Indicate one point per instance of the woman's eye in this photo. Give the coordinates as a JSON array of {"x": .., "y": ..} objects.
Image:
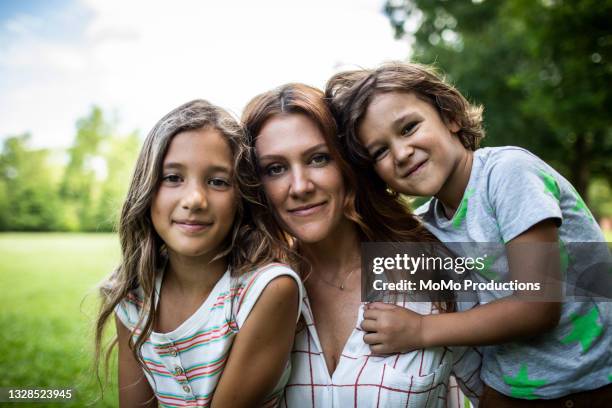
[
  {"x": 274, "y": 170},
  {"x": 320, "y": 159},
  {"x": 380, "y": 153},
  {"x": 172, "y": 178},
  {"x": 219, "y": 182},
  {"x": 409, "y": 128}
]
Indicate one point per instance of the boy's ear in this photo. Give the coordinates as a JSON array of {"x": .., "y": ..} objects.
[{"x": 453, "y": 127}]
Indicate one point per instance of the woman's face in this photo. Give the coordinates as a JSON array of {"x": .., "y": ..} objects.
[{"x": 302, "y": 182}]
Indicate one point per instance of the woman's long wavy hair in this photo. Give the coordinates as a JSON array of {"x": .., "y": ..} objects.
[
  {"x": 379, "y": 214},
  {"x": 143, "y": 253}
]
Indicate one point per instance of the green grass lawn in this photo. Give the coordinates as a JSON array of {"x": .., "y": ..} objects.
[{"x": 47, "y": 287}]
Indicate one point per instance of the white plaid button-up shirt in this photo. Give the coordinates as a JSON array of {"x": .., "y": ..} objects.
[{"x": 417, "y": 379}]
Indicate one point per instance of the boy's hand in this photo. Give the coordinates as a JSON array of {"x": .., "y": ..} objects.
[{"x": 391, "y": 328}]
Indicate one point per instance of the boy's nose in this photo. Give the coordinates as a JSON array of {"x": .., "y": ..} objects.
[{"x": 401, "y": 151}]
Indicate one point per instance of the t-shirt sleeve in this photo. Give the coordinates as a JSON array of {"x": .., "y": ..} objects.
[
  {"x": 255, "y": 283},
  {"x": 522, "y": 192},
  {"x": 127, "y": 311}
]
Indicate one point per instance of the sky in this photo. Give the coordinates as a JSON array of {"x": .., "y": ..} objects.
[{"x": 140, "y": 59}]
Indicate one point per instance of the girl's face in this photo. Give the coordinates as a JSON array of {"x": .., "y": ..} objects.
[
  {"x": 195, "y": 204},
  {"x": 413, "y": 150},
  {"x": 302, "y": 182}
]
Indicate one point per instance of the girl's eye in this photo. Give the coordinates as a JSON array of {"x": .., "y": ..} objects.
[
  {"x": 219, "y": 182},
  {"x": 172, "y": 179},
  {"x": 409, "y": 128},
  {"x": 380, "y": 153},
  {"x": 274, "y": 170},
  {"x": 320, "y": 159}
]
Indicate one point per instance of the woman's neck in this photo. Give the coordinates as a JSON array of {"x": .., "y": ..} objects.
[
  {"x": 194, "y": 275},
  {"x": 337, "y": 254}
]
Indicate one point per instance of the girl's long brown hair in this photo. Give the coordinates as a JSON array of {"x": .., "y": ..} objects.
[{"x": 143, "y": 253}]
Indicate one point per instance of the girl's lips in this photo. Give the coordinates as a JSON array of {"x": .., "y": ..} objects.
[
  {"x": 191, "y": 227},
  {"x": 307, "y": 210}
]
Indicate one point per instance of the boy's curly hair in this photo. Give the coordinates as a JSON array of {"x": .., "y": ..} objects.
[{"x": 349, "y": 94}]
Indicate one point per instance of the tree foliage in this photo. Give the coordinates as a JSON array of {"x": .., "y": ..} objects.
[
  {"x": 541, "y": 68},
  {"x": 28, "y": 201},
  {"x": 40, "y": 193}
]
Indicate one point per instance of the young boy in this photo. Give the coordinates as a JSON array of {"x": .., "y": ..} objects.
[{"x": 420, "y": 137}]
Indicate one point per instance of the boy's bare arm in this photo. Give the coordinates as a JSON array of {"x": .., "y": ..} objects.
[{"x": 393, "y": 329}]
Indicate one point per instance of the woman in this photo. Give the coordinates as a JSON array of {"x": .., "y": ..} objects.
[{"x": 310, "y": 195}]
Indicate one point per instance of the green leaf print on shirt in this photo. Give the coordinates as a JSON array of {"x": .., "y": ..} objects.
[
  {"x": 585, "y": 329},
  {"x": 486, "y": 271},
  {"x": 521, "y": 386},
  {"x": 582, "y": 207},
  {"x": 463, "y": 208},
  {"x": 550, "y": 185}
]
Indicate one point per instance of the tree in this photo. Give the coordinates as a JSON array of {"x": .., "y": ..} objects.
[
  {"x": 79, "y": 188},
  {"x": 542, "y": 69},
  {"x": 28, "y": 195},
  {"x": 120, "y": 158}
]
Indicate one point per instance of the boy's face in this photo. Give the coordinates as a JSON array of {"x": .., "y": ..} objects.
[{"x": 413, "y": 150}]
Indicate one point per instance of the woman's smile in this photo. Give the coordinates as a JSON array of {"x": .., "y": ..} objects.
[{"x": 308, "y": 209}]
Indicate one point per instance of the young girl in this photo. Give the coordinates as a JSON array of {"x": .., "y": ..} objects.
[
  {"x": 420, "y": 136},
  {"x": 202, "y": 311},
  {"x": 309, "y": 196}
]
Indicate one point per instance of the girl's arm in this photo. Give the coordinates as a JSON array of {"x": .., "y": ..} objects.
[
  {"x": 261, "y": 348},
  {"x": 134, "y": 389},
  {"x": 395, "y": 329}
]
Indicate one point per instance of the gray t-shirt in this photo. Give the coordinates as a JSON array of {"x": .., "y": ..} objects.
[{"x": 509, "y": 191}]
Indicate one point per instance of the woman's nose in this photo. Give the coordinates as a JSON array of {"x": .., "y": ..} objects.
[{"x": 301, "y": 184}]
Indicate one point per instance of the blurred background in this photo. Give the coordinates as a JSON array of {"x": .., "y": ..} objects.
[{"x": 82, "y": 81}]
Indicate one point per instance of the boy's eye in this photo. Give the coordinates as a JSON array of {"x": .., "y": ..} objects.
[
  {"x": 320, "y": 159},
  {"x": 274, "y": 170},
  {"x": 409, "y": 128},
  {"x": 219, "y": 182},
  {"x": 380, "y": 153},
  {"x": 172, "y": 179}
]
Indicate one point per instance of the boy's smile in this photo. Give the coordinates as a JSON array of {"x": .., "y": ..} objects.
[{"x": 414, "y": 151}]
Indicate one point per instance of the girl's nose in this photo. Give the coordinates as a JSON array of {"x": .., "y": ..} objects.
[
  {"x": 301, "y": 184},
  {"x": 195, "y": 198}
]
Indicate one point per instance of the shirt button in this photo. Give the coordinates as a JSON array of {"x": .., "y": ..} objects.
[
  {"x": 186, "y": 388},
  {"x": 178, "y": 370},
  {"x": 569, "y": 403},
  {"x": 173, "y": 352}
]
